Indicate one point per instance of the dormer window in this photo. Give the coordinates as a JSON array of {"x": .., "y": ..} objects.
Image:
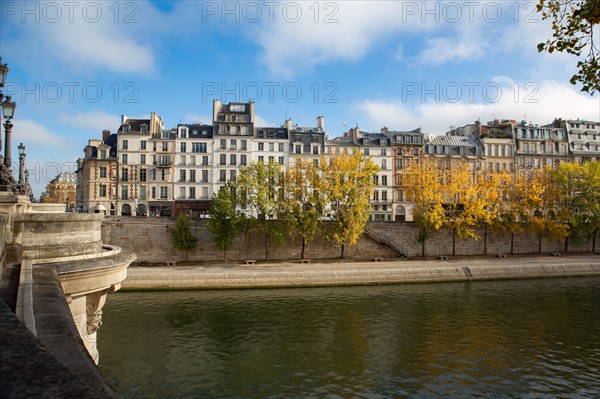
[
  {"x": 183, "y": 132},
  {"x": 144, "y": 128},
  {"x": 126, "y": 128}
]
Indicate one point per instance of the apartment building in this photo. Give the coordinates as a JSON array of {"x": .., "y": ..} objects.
[
  {"x": 496, "y": 138},
  {"x": 194, "y": 170},
  {"x": 407, "y": 150},
  {"x": 540, "y": 146},
  {"x": 583, "y": 137},
  {"x": 97, "y": 179}
]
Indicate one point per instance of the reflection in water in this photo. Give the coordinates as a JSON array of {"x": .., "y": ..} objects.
[{"x": 535, "y": 338}]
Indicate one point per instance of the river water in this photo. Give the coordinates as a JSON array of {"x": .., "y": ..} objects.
[{"x": 510, "y": 339}]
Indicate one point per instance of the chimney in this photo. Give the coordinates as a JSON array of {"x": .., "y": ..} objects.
[
  {"x": 216, "y": 108},
  {"x": 288, "y": 124},
  {"x": 251, "y": 110},
  {"x": 105, "y": 135},
  {"x": 123, "y": 119},
  {"x": 321, "y": 122}
]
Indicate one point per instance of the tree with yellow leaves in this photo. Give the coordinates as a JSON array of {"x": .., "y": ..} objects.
[
  {"x": 422, "y": 184},
  {"x": 349, "y": 185},
  {"x": 304, "y": 200}
]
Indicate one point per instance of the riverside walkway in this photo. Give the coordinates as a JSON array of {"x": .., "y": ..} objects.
[{"x": 337, "y": 273}]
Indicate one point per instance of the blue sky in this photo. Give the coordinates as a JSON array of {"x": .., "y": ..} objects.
[{"x": 75, "y": 67}]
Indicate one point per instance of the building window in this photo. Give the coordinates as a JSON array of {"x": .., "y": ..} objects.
[
  {"x": 182, "y": 147},
  {"x": 232, "y": 159},
  {"x": 182, "y": 175},
  {"x": 243, "y": 160},
  {"x": 384, "y": 196},
  {"x": 384, "y": 180},
  {"x": 183, "y": 132},
  {"x": 205, "y": 176},
  {"x": 244, "y": 130},
  {"x": 261, "y": 158},
  {"x": 271, "y": 147},
  {"x": 192, "y": 192},
  {"x": 124, "y": 191},
  {"x": 222, "y": 175},
  {"x": 124, "y": 174},
  {"x": 383, "y": 164},
  {"x": 315, "y": 150},
  {"x": 383, "y": 152},
  {"x": 205, "y": 160},
  {"x": 163, "y": 175},
  {"x": 143, "y": 193},
  {"x": 232, "y": 175},
  {"x": 103, "y": 154},
  {"x": 124, "y": 144},
  {"x": 199, "y": 147},
  {"x": 222, "y": 159},
  {"x": 102, "y": 172},
  {"x": 153, "y": 192},
  {"x": 233, "y": 144},
  {"x": 261, "y": 146},
  {"x": 181, "y": 193},
  {"x": 244, "y": 145},
  {"x": 143, "y": 145},
  {"x": 142, "y": 174},
  {"x": 298, "y": 149},
  {"x": 281, "y": 160},
  {"x": 366, "y": 151},
  {"x": 165, "y": 146},
  {"x": 192, "y": 176},
  {"x": 223, "y": 144},
  {"x": 102, "y": 190},
  {"x": 281, "y": 147},
  {"x": 143, "y": 159},
  {"x": 124, "y": 159},
  {"x": 164, "y": 192},
  {"x": 144, "y": 128}
]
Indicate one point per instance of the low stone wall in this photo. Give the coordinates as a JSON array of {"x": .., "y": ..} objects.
[{"x": 151, "y": 241}]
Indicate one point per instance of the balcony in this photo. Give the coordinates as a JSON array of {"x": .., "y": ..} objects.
[{"x": 163, "y": 163}]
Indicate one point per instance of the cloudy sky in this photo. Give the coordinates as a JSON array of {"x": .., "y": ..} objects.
[{"x": 75, "y": 67}]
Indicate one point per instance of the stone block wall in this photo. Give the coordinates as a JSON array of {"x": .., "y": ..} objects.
[{"x": 151, "y": 241}]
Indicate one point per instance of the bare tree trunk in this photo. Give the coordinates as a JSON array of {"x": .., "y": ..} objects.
[
  {"x": 454, "y": 242},
  {"x": 303, "y": 245},
  {"x": 343, "y": 246},
  {"x": 485, "y": 240},
  {"x": 512, "y": 242}
]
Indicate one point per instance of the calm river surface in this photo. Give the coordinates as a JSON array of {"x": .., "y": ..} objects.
[{"x": 511, "y": 339}]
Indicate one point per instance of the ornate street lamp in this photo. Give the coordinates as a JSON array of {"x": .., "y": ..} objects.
[
  {"x": 3, "y": 73},
  {"x": 7, "y": 182},
  {"x": 21, "y": 186},
  {"x": 8, "y": 109}
]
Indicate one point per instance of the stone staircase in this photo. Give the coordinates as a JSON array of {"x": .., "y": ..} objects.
[{"x": 382, "y": 238}]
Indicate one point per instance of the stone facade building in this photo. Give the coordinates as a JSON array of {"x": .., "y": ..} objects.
[
  {"x": 147, "y": 170},
  {"x": 97, "y": 178}
]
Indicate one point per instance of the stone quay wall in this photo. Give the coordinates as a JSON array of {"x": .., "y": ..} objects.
[{"x": 151, "y": 241}]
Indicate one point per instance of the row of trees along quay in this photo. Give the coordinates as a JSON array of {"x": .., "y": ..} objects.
[
  {"x": 555, "y": 204},
  {"x": 280, "y": 203}
]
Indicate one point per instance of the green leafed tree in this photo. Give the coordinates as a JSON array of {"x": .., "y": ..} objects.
[
  {"x": 181, "y": 235},
  {"x": 260, "y": 189},
  {"x": 350, "y": 180},
  {"x": 304, "y": 200},
  {"x": 224, "y": 222},
  {"x": 574, "y": 24}
]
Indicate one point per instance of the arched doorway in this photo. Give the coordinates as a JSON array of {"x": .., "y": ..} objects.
[
  {"x": 141, "y": 210},
  {"x": 126, "y": 210},
  {"x": 400, "y": 215}
]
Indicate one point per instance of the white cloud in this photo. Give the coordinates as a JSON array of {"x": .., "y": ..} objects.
[
  {"x": 95, "y": 121},
  {"x": 28, "y": 131},
  {"x": 261, "y": 122},
  {"x": 338, "y": 31},
  {"x": 80, "y": 36},
  {"x": 467, "y": 44},
  {"x": 195, "y": 118},
  {"x": 538, "y": 104}
]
